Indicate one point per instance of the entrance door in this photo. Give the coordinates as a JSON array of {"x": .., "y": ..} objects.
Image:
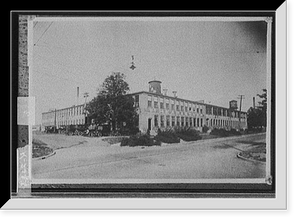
[{"x": 149, "y": 123}]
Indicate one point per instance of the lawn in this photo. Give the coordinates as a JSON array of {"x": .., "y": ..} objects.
[
  {"x": 258, "y": 152},
  {"x": 40, "y": 149}
]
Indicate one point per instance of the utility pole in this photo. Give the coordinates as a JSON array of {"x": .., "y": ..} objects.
[
  {"x": 55, "y": 119},
  {"x": 241, "y": 97},
  {"x": 85, "y": 95}
]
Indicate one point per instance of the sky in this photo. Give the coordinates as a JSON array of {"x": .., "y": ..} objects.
[{"x": 201, "y": 60}]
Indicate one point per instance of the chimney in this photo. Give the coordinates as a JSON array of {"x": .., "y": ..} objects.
[
  {"x": 174, "y": 92},
  {"x": 165, "y": 91},
  {"x": 253, "y": 102},
  {"x": 77, "y": 96}
]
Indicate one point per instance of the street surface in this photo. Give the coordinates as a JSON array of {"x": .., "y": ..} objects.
[{"x": 93, "y": 158}]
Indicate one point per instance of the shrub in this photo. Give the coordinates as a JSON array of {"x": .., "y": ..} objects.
[
  {"x": 205, "y": 129},
  {"x": 167, "y": 136},
  {"x": 124, "y": 142},
  {"x": 219, "y": 132},
  {"x": 234, "y": 132},
  {"x": 140, "y": 140},
  {"x": 187, "y": 134}
]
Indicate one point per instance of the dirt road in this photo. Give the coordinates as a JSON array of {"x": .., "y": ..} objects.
[{"x": 95, "y": 159}]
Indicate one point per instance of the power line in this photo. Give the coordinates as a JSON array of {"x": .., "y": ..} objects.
[{"x": 43, "y": 33}]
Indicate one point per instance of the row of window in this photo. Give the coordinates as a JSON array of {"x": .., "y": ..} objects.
[
  {"x": 174, "y": 105},
  {"x": 222, "y": 122},
  {"x": 171, "y": 121},
  {"x": 211, "y": 110},
  {"x": 74, "y": 111},
  {"x": 79, "y": 121},
  {"x": 71, "y": 122}
]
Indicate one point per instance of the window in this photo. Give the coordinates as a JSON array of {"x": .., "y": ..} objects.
[
  {"x": 182, "y": 108},
  {"x": 155, "y": 102},
  {"x": 182, "y": 121},
  {"x": 167, "y": 106},
  {"x": 191, "y": 121},
  {"x": 162, "y": 120},
  {"x": 178, "y": 121},
  {"x": 161, "y": 105},
  {"x": 168, "y": 120},
  {"x": 149, "y": 101},
  {"x": 186, "y": 109},
  {"x": 136, "y": 101},
  {"x": 177, "y": 107},
  {"x": 172, "y": 106},
  {"x": 155, "y": 120},
  {"x": 201, "y": 122},
  {"x": 187, "y": 121},
  {"x": 198, "y": 122},
  {"x": 197, "y": 110},
  {"x": 173, "y": 120}
]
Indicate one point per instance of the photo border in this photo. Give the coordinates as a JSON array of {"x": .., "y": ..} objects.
[{"x": 226, "y": 190}]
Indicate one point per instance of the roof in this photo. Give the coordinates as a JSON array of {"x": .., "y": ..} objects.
[
  {"x": 154, "y": 81},
  {"x": 171, "y": 97},
  {"x": 57, "y": 110}
]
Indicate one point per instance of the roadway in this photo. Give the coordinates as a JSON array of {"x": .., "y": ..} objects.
[{"x": 204, "y": 159}]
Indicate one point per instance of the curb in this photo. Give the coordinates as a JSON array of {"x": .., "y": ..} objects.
[
  {"x": 251, "y": 160},
  {"x": 44, "y": 157}
]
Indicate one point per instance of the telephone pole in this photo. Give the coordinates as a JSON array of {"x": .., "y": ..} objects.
[
  {"x": 241, "y": 97},
  {"x": 85, "y": 95}
]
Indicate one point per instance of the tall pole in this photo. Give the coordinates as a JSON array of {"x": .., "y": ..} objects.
[
  {"x": 77, "y": 101},
  {"x": 241, "y": 97},
  {"x": 85, "y": 95},
  {"x": 55, "y": 118}
]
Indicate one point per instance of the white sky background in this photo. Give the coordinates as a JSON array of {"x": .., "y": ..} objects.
[{"x": 210, "y": 61}]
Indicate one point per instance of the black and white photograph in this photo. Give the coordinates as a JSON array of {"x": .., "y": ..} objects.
[
  {"x": 123, "y": 105},
  {"x": 149, "y": 100}
]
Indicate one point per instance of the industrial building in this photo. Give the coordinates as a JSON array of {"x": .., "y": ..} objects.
[
  {"x": 74, "y": 115},
  {"x": 158, "y": 110}
]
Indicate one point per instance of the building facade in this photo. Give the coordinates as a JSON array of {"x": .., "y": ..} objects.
[
  {"x": 158, "y": 110},
  {"x": 74, "y": 115}
]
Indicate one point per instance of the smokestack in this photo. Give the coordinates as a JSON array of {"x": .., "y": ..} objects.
[
  {"x": 77, "y": 96},
  {"x": 253, "y": 102},
  {"x": 174, "y": 92}
]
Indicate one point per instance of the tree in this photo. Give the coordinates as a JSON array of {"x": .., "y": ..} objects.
[
  {"x": 263, "y": 107},
  {"x": 257, "y": 117},
  {"x": 112, "y": 104}
]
